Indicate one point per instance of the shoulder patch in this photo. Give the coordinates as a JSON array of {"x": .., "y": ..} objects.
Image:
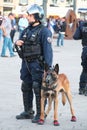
[{"x": 49, "y": 39}]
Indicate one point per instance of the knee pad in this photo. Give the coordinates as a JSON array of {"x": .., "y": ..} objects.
[
  {"x": 36, "y": 86},
  {"x": 25, "y": 87}
]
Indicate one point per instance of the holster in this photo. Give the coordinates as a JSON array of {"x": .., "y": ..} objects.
[{"x": 18, "y": 49}]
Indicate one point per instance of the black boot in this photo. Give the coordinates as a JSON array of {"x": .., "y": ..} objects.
[
  {"x": 37, "y": 92},
  {"x": 37, "y": 116},
  {"x": 27, "y": 102},
  {"x": 26, "y": 115},
  {"x": 82, "y": 84},
  {"x": 81, "y": 91},
  {"x": 82, "y": 88}
]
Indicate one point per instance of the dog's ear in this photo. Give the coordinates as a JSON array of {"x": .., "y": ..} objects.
[
  {"x": 46, "y": 67},
  {"x": 56, "y": 68}
]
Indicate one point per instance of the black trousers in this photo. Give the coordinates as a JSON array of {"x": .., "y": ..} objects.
[
  {"x": 12, "y": 34},
  {"x": 83, "y": 76}
]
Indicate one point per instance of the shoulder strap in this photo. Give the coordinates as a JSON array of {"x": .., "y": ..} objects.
[{"x": 39, "y": 28}]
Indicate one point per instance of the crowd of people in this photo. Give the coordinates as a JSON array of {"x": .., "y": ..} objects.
[
  {"x": 35, "y": 43},
  {"x": 57, "y": 26}
]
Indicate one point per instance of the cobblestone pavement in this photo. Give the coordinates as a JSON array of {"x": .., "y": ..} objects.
[{"x": 69, "y": 60}]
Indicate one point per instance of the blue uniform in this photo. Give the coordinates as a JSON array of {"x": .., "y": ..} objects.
[
  {"x": 32, "y": 70},
  {"x": 81, "y": 33}
]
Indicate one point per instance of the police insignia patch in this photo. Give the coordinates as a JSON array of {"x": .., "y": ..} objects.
[{"x": 49, "y": 39}]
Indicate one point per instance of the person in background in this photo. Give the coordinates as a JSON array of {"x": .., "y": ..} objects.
[
  {"x": 35, "y": 49},
  {"x": 61, "y": 34},
  {"x": 56, "y": 26},
  {"x": 13, "y": 29},
  {"x": 1, "y": 19},
  {"x": 23, "y": 23},
  {"x": 7, "y": 43},
  {"x": 81, "y": 34}
]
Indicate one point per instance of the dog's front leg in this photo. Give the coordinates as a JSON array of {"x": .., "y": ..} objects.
[
  {"x": 42, "y": 108},
  {"x": 69, "y": 97},
  {"x": 56, "y": 123},
  {"x": 41, "y": 121},
  {"x": 49, "y": 105}
]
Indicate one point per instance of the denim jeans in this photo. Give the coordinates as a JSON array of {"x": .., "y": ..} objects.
[
  {"x": 0, "y": 34},
  {"x": 7, "y": 43},
  {"x": 60, "y": 39}
]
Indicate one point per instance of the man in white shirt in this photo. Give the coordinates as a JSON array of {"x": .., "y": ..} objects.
[{"x": 22, "y": 24}]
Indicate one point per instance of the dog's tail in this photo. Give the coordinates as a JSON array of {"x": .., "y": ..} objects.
[{"x": 63, "y": 98}]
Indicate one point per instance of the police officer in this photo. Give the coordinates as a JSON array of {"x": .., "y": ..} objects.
[
  {"x": 35, "y": 48},
  {"x": 81, "y": 33}
]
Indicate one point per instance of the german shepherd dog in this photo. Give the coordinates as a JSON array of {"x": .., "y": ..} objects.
[{"x": 52, "y": 84}]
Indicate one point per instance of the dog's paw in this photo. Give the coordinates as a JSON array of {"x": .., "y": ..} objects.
[
  {"x": 56, "y": 123},
  {"x": 73, "y": 119},
  {"x": 41, "y": 122}
]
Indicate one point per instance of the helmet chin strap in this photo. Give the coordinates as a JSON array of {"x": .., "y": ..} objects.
[{"x": 32, "y": 23}]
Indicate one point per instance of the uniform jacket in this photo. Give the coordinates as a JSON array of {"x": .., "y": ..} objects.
[
  {"x": 81, "y": 33},
  {"x": 45, "y": 38}
]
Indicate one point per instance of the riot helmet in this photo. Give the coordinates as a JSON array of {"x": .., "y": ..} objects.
[{"x": 37, "y": 11}]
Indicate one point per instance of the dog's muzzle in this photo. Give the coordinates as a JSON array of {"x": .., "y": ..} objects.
[{"x": 49, "y": 80}]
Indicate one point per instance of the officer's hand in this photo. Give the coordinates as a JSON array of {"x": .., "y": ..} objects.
[{"x": 19, "y": 42}]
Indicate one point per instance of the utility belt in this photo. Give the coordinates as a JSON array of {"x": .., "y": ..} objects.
[
  {"x": 37, "y": 58},
  {"x": 32, "y": 58}
]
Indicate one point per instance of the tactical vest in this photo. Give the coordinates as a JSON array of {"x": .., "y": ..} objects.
[
  {"x": 84, "y": 34},
  {"x": 32, "y": 48}
]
